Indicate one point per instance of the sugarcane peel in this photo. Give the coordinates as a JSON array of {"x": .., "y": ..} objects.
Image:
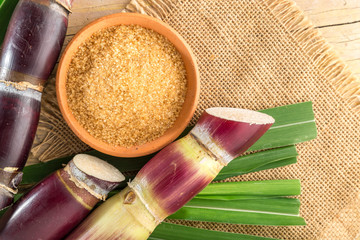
[
  {"x": 82, "y": 166},
  {"x": 175, "y": 175}
]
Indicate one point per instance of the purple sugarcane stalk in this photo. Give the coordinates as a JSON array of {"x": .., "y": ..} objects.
[
  {"x": 32, "y": 44},
  {"x": 175, "y": 175},
  {"x": 53, "y": 207}
]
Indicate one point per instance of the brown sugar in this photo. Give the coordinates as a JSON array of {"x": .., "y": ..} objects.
[{"x": 126, "y": 85}]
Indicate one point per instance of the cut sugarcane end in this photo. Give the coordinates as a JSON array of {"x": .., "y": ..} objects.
[
  {"x": 229, "y": 132},
  {"x": 241, "y": 115},
  {"x": 98, "y": 168}
]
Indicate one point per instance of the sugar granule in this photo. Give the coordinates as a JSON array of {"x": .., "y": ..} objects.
[{"x": 126, "y": 85}]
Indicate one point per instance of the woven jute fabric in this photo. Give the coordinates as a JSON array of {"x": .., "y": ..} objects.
[{"x": 260, "y": 54}]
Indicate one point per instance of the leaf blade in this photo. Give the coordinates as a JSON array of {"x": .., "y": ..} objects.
[
  {"x": 273, "y": 205},
  {"x": 276, "y": 164},
  {"x": 251, "y": 162},
  {"x": 169, "y": 231},
  {"x": 289, "y": 187},
  {"x": 293, "y": 124},
  {"x": 237, "y": 217}
]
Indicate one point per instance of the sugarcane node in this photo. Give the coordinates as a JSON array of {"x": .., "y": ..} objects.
[
  {"x": 23, "y": 86},
  {"x": 129, "y": 197},
  {"x": 20, "y": 80},
  {"x": 204, "y": 147}
]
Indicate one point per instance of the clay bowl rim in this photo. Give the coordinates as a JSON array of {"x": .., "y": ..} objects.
[{"x": 191, "y": 99}]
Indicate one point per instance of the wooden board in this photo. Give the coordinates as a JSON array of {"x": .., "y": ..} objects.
[{"x": 338, "y": 20}]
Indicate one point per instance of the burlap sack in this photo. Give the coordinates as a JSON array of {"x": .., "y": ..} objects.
[{"x": 259, "y": 54}]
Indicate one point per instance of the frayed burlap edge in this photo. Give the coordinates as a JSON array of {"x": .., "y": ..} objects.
[
  {"x": 154, "y": 8},
  {"x": 300, "y": 29},
  {"x": 320, "y": 53}
]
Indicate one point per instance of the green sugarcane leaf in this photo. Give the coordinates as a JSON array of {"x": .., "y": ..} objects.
[
  {"x": 289, "y": 187},
  {"x": 291, "y": 114},
  {"x": 276, "y": 164},
  {"x": 236, "y": 216},
  {"x": 255, "y": 210},
  {"x": 275, "y": 205},
  {"x": 169, "y": 231},
  {"x": 253, "y": 202},
  {"x": 293, "y": 124},
  {"x": 251, "y": 162},
  {"x": 286, "y": 135},
  {"x": 233, "y": 197},
  {"x": 281, "y": 163},
  {"x": 2, "y": 211},
  {"x": 6, "y": 9}
]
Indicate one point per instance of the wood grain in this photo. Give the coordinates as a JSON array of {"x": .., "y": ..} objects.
[
  {"x": 339, "y": 23},
  {"x": 337, "y": 20}
]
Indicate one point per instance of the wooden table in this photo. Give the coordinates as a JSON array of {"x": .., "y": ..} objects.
[{"x": 338, "y": 20}]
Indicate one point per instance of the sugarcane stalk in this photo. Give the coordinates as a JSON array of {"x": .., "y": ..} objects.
[
  {"x": 58, "y": 203},
  {"x": 30, "y": 49},
  {"x": 175, "y": 175}
]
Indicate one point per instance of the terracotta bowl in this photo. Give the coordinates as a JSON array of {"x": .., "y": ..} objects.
[{"x": 189, "y": 105}]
